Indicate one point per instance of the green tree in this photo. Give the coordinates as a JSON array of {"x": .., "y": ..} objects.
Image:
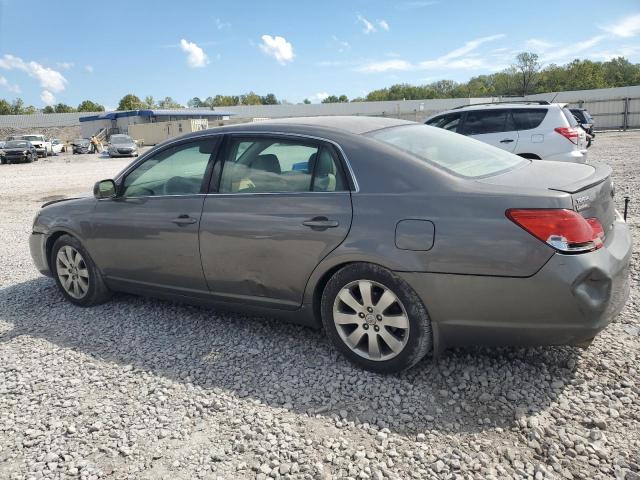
[
  {"x": 63, "y": 108},
  {"x": 306, "y": 101},
  {"x": 5, "y": 107},
  {"x": 250, "y": 98},
  {"x": 149, "y": 102},
  {"x": 269, "y": 99},
  {"x": 223, "y": 101},
  {"x": 528, "y": 67},
  {"x": 48, "y": 109},
  {"x": 195, "y": 102},
  {"x": 168, "y": 102},
  {"x": 130, "y": 102},
  {"x": 89, "y": 106}
]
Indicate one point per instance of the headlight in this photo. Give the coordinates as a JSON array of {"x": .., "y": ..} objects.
[{"x": 25, "y": 152}]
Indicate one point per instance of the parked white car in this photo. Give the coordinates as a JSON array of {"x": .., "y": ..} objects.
[
  {"x": 536, "y": 130},
  {"x": 42, "y": 143},
  {"x": 57, "y": 146}
]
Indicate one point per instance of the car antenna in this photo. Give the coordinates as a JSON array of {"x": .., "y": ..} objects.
[{"x": 554, "y": 97}]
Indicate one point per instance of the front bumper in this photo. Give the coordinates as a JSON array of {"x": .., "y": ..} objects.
[
  {"x": 113, "y": 153},
  {"x": 38, "y": 248},
  {"x": 568, "y": 301}
]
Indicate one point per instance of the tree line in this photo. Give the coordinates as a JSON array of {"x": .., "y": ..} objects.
[{"x": 525, "y": 76}]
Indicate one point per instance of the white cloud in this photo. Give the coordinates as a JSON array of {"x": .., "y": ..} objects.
[
  {"x": 49, "y": 79},
  {"x": 571, "y": 52},
  {"x": 629, "y": 27},
  {"x": 341, "y": 45},
  {"x": 318, "y": 97},
  {"x": 9, "y": 86},
  {"x": 64, "y": 65},
  {"x": 278, "y": 48},
  {"x": 385, "y": 66},
  {"x": 222, "y": 25},
  {"x": 537, "y": 45},
  {"x": 47, "y": 97},
  {"x": 415, "y": 4},
  {"x": 196, "y": 58},
  {"x": 384, "y": 25},
  {"x": 460, "y": 58},
  {"x": 88, "y": 68},
  {"x": 367, "y": 26}
]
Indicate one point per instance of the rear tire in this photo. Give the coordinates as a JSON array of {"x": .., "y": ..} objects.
[
  {"x": 383, "y": 326},
  {"x": 76, "y": 275}
]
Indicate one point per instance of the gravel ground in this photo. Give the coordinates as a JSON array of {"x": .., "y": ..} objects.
[{"x": 140, "y": 388}]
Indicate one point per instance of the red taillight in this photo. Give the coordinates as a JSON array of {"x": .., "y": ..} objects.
[
  {"x": 565, "y": 230},
  {"x": 570, "y": 133}
]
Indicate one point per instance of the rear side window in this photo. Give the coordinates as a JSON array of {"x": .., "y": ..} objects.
[
  {"x": 528, "y": 118},
  {"x": 449, "y": 121},
  {"x": 479, "y": 122},
  {"x": 569, "y": 116},
  {"x": 266, "y": 165}
]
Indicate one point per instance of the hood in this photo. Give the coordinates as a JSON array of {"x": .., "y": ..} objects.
[
  {"x": 15, "y": 150},
  {"x": 123, "y": 145},
  {"x": 60, "y": 200}
]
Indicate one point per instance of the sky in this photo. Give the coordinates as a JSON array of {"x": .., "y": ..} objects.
[{"x": 68, "y": 51}]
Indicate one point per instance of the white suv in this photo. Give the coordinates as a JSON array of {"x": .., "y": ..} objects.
[{"x": 537, "y": 130}]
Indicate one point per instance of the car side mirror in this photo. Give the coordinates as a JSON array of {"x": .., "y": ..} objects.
[{"x": 104, "y": 189}]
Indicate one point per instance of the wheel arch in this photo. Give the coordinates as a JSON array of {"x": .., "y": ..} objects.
[{"x": 51, "y": 240}]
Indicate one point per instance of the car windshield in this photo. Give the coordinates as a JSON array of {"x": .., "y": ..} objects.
[
  {"x": 121, "y": 139},
  {"x": 17, "y": 144},
  {"x": 451, "y": 151},
  {"x": 32, "y": 137}
]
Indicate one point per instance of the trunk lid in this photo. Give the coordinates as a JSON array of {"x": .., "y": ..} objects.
[{"x": 590, "y": 187}]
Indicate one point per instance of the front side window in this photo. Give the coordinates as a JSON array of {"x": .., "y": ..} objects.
[
  {"x": 480, "y": 122},
  {"x": 267, "y": 165},
  {"x": 178, "y": 170},
  {"x": 448, "y": 122},
  {"x": 452, "y": 152}
]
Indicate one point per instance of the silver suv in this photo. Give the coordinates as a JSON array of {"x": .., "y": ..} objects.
[{"x": 536, "y": 130}]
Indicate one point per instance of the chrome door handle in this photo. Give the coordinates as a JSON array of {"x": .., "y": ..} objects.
[
  {"x": 320, "y": 223},
  {"x": 506, "y": 140},
  {"x": 184, "y": 220}
]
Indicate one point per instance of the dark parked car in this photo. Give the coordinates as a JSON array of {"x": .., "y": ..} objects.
[
  {"x": 585, "y": 120},
  {"x": 18, "y": 151},
  {"x": 81, "y": 145},
  {"x": 398, "y": 237}
]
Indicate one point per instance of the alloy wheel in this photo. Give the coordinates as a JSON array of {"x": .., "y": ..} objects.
[
  {"x": 72, "y": 272},
  {"x": 371, "y": 320}
]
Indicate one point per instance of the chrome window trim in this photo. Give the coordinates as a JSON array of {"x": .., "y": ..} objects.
[{"x": 143, "y": 157}]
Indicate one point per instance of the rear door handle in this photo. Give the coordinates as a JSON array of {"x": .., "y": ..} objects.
[
  {"x": 184, "y": 220},
  {"x": 320, "y": 223},
  {"x": 507, "y": 140}
]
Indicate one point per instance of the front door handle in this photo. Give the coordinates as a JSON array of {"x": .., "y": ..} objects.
[
  {"x": 184, "y": 220},
  {"x": 320, "y": 223},
  {"x": 506, "y": 140}
]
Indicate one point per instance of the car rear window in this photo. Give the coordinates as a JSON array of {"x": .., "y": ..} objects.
[
  {"x": 528, "y": 118},
  {"x": 455, "y": 153}
]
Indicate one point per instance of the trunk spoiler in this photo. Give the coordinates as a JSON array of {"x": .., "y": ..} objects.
[{"x": 600, "y": 174}]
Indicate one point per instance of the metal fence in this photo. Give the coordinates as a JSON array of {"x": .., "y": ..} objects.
[{"x": 613, "y": 114}]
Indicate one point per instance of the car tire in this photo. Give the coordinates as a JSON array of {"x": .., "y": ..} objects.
[
  {"x": 84, "y": 285},
  {"x": 30, "y": 158},
  {"x": 392, "y": 337}
]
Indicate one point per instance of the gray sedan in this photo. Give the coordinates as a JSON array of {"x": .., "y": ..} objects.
[
  {"x": 399, "y": 238},
  {"x": 122, "y": 146}
]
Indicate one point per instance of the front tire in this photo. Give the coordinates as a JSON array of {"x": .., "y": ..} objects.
[
  {"x": 375, "y": 318},
  {"x": 76, "y": 275}
]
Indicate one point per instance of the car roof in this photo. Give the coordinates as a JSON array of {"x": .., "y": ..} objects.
[
  {"x": 501, "y": 105},
  {"x": 354, "y": 124}
]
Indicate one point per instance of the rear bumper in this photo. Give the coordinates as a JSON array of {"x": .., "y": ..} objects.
[
  {"x": 37, "y": 246},
  {"x": 575, "y": 156},
  {"x": 569, "y": 300}
]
